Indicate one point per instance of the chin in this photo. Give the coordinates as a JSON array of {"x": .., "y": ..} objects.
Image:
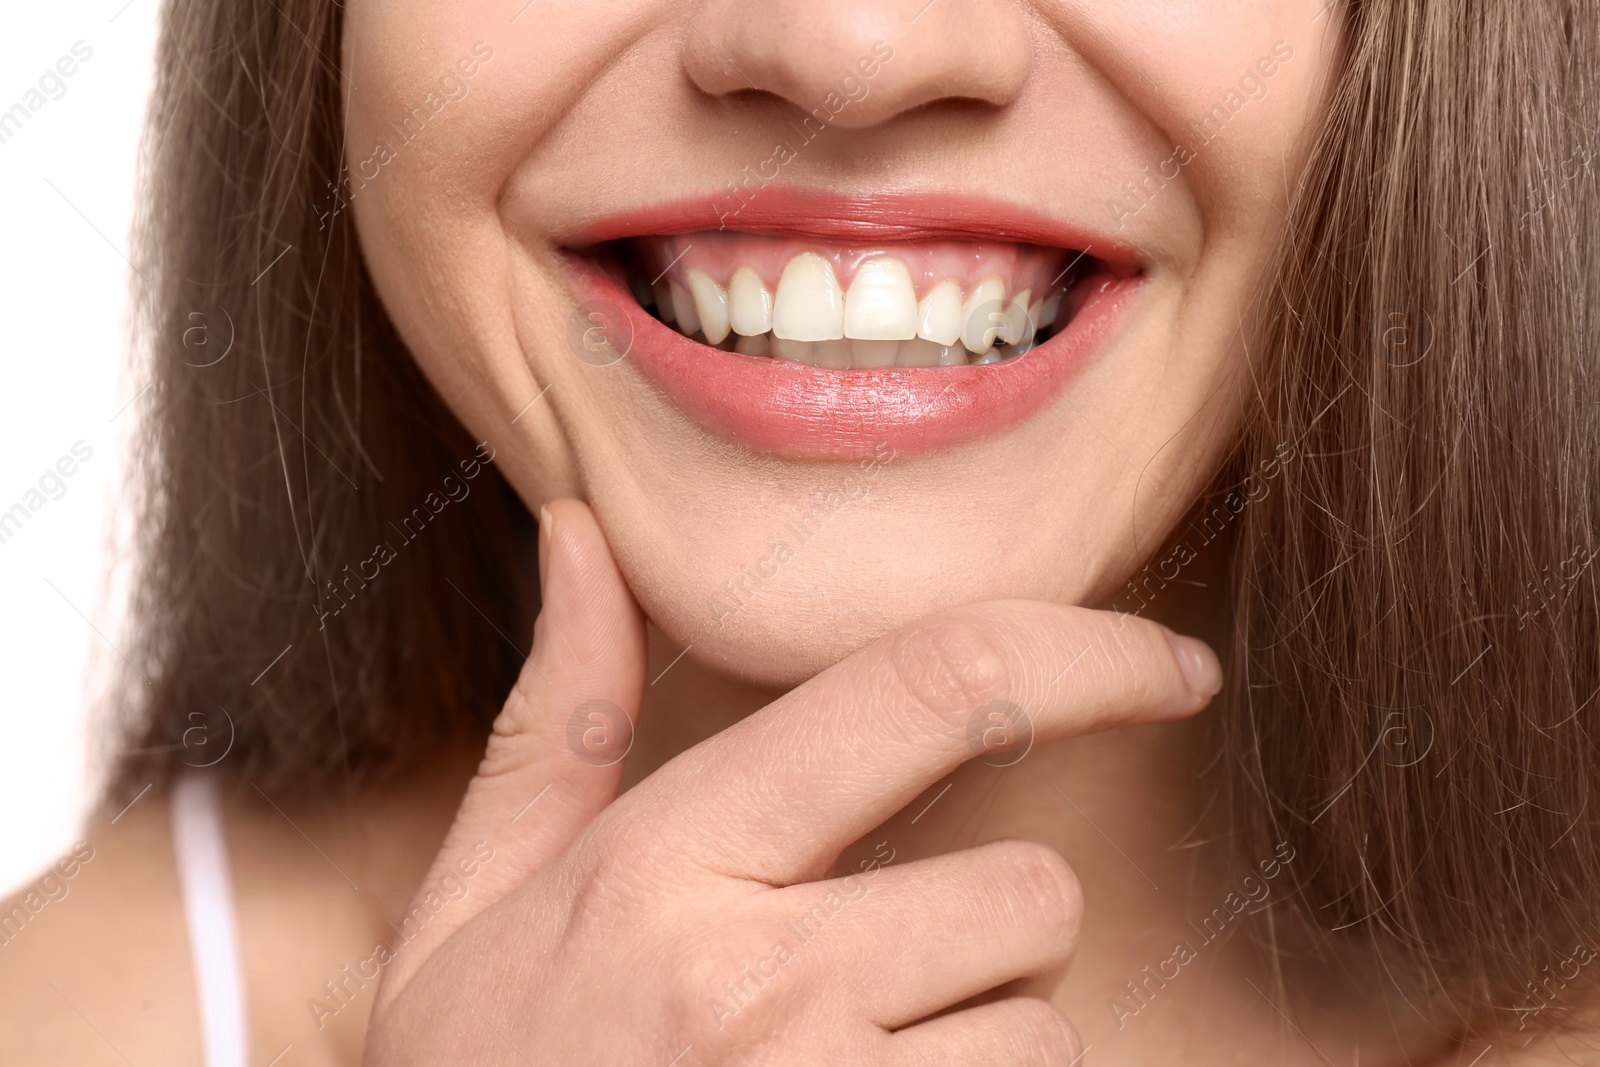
[
  {"x": 791, "y": 630},
  {"x": 773, "y": 607}
]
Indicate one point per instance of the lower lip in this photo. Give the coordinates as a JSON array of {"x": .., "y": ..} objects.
[{"x": 805, "y": 412}]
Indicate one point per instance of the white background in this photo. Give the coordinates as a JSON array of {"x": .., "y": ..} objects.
[{"x": 66, "y": 183}]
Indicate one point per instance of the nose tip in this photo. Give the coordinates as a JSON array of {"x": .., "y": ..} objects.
[{"x": 866, "y": 61}]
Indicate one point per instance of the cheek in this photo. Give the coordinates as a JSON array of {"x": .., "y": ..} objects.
[
  {"x": 481, "y": 316},
  {"x": 1231, "y": 129}
]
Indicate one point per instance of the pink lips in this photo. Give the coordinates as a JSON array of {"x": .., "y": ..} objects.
[{"x": 802, "y": 411}]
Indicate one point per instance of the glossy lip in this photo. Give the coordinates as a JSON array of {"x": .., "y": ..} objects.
[
  {"x": 859, "y": 219},
  {"x": 805, "y": 412}
]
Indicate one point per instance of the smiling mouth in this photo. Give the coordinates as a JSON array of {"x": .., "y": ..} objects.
[
  {"x": 832, "y": 327},
  {"x": 846, "y": 306}
]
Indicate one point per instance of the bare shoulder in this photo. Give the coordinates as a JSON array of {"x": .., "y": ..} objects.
[
  {"x": 95, "y": 961},
  {"x": 94, "y": 955}
]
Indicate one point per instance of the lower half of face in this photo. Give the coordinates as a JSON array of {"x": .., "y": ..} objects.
[{"x": 837, "y": 313}]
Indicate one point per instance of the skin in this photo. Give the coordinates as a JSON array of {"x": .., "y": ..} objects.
[
  {"x": 827, "y": 722},
  {"x": 488, "y": 202}
]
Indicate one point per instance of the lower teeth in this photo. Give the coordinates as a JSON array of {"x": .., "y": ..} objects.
[{"x": 850, "y": 354}]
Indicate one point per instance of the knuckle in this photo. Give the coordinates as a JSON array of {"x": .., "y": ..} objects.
[
  {"x": 699, "y": 968},
  {"x": 630, "y": 833},
  {"x": 611, "y": 888},
  {"x": 734, "y": 991},
  {"x": 1047, "y": 887},
  {"x": 950, "y": 666},
  {"x": 514, "y": 743}
]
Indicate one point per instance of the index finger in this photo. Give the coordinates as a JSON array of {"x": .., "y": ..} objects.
[{"x": 777, "y": 796}]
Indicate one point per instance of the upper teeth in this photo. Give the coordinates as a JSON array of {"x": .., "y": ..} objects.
[
  {"x": 809, "y": 305},
  {"x": 684, "y": 307},
  {"x": 939, "y": 314},
  {"x": 749, "y": 304},
  {"x": 980, "y": 321},
  {"x": 881, "y": 305},
  {"x": 711, "y": 304}
]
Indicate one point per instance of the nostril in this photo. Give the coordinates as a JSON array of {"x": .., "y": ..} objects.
[
  {"x": 862, "y": 61},
  {"x": 756, "y": 100}
]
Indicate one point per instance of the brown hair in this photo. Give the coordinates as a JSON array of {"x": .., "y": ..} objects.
[
  {"x": 1413, "y": 689},
  {"x": 1417, "y": 569},
  {"x": 273, "y": 470}
]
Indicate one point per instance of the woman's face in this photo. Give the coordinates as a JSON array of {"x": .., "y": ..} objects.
[{"x": 974, "y": 272}]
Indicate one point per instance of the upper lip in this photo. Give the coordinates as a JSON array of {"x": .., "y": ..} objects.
[{"x": 859, "y": 218}]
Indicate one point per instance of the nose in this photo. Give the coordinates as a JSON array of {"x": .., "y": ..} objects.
[{"x": 884, "y": 57}]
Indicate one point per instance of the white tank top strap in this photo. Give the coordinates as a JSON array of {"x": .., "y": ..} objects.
[{"x": 200, "y": 842}]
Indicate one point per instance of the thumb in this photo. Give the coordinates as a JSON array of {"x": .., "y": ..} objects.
[{"x": 555, "y": 754}]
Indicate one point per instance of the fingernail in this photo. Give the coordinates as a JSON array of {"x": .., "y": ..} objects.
[
  {"x": 546, "y": 526},
  {"x": 1201, "y": 670}
]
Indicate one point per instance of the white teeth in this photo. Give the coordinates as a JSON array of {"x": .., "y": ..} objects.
[
  {"x": 663, "y": 297},
  {"x": 710, "y": 305},
  {"x": 849, "y": 354},
  {"x": 878, "y": 324},
  {"x": 1050, "y": 309},
  {"x": 794, "y": 351},
  {"x": 922, "y": 352},
  {"x": 1016, "y": 315},
  {"x": 835, "y": 354},
  {"x": 1035, "y": 323},
  {"x": 808, "y": 305},
  {"x": 939, "y": 314},
  {"x": 683, "y": 307},
  {"x": 881, "y": 304},
  {"x": 983, "y": 315},
  {"x": 869, "y": 354},
  {"x": 749, "y": 304}
]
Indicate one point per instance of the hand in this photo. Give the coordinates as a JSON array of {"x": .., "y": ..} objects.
[{"x": 659, "y": 927}]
